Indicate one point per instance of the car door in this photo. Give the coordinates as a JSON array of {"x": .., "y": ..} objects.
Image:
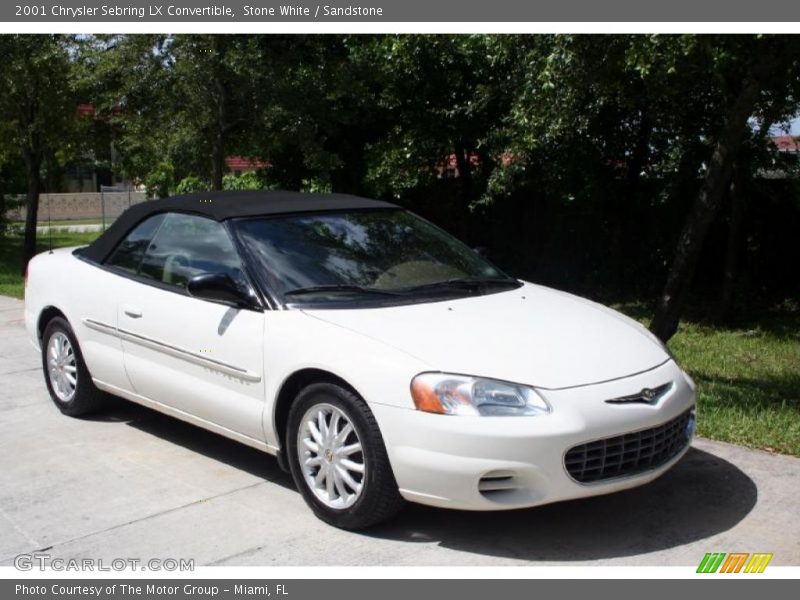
[
  {"x": 100, "y": 290},
  {"x": 195, "y": 356}
]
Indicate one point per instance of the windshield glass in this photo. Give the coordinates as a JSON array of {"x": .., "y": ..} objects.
[{"x": 374, "y": 255}]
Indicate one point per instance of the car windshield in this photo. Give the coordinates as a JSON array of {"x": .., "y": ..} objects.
[{"x": 377, "y": 255}]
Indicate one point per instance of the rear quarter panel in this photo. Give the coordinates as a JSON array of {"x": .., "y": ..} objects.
[{"x": 79, "y": 290}]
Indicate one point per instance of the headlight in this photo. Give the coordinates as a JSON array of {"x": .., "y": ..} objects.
[{"x": 461, "y": 395}]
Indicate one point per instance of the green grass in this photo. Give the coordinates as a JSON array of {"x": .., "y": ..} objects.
[
  {"x": 748, "y": 379},
  {"x": 62, "y": 222},
  {"x": 11, "y": 283},
  {"x": 75, "y": 222}
]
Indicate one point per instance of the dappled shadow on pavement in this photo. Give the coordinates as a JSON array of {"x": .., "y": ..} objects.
[
  {"x": 196, "y": 439},
  {"x": 702, "y": 496}
]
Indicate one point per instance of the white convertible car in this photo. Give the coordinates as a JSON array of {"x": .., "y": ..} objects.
[{"x": 378, "y": 357}]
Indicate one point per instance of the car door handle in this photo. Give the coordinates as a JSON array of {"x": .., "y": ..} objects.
[{"x": 132, "y": 312}]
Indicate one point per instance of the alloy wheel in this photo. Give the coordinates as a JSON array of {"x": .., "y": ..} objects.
[
  {"x": 62, "y": 366},
  {"x": 330, "y": 456}
]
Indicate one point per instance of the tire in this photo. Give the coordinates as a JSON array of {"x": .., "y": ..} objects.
[
  {"x": 378, "y": 498},
  {"x": 73, "y": 400}
]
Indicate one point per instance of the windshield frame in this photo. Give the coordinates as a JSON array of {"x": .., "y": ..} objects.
[{"x": 279, "y": 301}]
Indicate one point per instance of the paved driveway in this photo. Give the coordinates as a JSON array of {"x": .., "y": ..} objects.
[{"x": 134, "y": 483}]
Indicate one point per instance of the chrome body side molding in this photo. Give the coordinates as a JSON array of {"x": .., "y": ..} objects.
[{"x": 175, "y": 351}]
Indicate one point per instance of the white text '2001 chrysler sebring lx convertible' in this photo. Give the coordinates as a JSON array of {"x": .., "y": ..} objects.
[{"x": 378, "y": 357}]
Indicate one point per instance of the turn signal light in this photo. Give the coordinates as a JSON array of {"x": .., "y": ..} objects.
[{"x": 425, "y": 397}]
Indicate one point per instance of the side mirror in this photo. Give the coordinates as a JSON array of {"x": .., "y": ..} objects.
[{"x": 221, "y": 288}]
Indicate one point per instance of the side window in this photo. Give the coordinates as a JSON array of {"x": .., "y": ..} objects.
[
  {"x": 128, "y": 255},
  {"x": 188, "y": 245}
]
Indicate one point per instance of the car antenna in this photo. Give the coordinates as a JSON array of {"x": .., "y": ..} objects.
[{"x": 49, "y": 225}]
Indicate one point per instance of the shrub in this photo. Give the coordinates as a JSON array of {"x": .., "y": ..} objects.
[
  {"x": 192, "y": 184},
  {"x": 246, "y": 181},
  {"x": 160, "y": 180}
]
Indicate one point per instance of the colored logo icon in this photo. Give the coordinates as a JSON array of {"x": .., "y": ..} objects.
[{"x": 735, "y": 562}]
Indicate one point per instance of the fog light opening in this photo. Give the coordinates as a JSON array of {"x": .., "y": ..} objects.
[{"x": 497, "y": 481}]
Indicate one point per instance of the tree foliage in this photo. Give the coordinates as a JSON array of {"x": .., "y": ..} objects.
[
  {"x": 596, "y": 127},
  {"x": 38, "y": 125}
]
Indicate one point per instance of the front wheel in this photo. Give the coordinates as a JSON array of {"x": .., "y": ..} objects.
[{"x": 338, "y": 459}]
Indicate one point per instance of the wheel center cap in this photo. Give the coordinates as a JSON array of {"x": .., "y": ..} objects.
[{"x": 329, "y": 455}]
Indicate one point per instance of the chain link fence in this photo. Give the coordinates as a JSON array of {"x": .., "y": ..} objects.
[{"x": 114, "y": 200}]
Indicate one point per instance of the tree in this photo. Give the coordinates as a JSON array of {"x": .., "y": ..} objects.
[
  {"x": 37, "y": 108},
  {"x": 594, "y": 116},
  {"x": 5, "y": 159},
  {"x": 177, "y": 105},
  {"x": 314, "y": 111},
  {"x": 210, "y": 94},
  {"x": 564, "y": 129},
  {"x": 753, "y": 86},
  {"x": 443, "y": 97}
]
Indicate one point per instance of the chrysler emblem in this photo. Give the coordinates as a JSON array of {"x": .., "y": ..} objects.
[{"x": 646, "y": 396}]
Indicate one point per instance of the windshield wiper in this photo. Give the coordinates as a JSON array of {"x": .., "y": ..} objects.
[
  {"x": 338, "y": 288},
  {"x": 476, "y": 283}
]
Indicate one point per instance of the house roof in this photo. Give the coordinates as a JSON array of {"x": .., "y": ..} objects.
[
  {"x": 85, "y": 110},
  {"x": 786, "y": 143},
  {"x": 224, "y": 205},
  {"x": 244, "y": 163}
]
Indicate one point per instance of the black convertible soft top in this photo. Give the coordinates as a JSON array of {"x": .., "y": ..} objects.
[{"x": 225, "y": 205}]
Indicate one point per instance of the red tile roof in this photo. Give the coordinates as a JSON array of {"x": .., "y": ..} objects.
[
  {"x": 85, "y": 110},
  {"x": 786, "y": 143},
  {"x": 245, "y": 163}
]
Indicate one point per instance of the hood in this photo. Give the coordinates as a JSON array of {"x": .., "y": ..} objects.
[{"x": 532, "y": 335}]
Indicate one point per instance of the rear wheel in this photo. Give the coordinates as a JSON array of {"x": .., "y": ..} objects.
[
  {"x": 68, "y": 381},
  {"x": 338, "y": 459}
]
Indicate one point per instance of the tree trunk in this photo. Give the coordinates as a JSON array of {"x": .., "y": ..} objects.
[
  {"x": 731, "y": 269},
  {"x": 217, "y": 162},
  {"x": 221, "y": 117},
  {"x": 738, "y": 205},
  {"x": 671, "y": 302},
  {"x": 33, "y": 168},
  {"x": 2, "y": 213}
]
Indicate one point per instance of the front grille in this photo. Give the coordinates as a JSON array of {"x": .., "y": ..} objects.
[{"x": 629, "y": 454}]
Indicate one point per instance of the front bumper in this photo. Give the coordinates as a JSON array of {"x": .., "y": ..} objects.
[{"x": 495, "y": 463}]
